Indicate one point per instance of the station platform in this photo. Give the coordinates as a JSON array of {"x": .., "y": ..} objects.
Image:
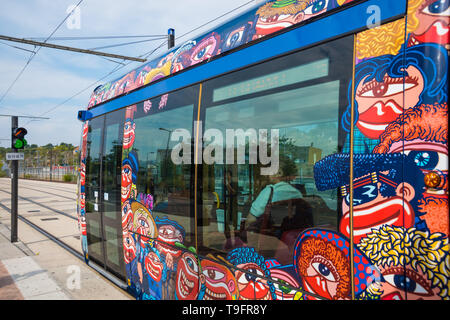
[{"x": 35, "y": 268}]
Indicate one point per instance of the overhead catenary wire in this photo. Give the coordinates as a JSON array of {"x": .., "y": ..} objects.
[
  {"x": 215, "y": 19},
  {"x": 128, "y": 43},
  {"x": 99, "y": 37},
  {"x": 36, "y": 52},
  {"x": 145, "y": 56},
  {"x": 114, "y": 70},
  {"x": 16, "y": 47}
]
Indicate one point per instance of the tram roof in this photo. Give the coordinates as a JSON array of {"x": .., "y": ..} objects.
[{"x": 231, "y": 34}]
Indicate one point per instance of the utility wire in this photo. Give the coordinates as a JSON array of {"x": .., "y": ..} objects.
[
  {"x": 20, "y": 48},
  {"x": 145, "y": 56},
  {"x": 127, "y": 43},
  {"x": 114, "y": 70},
  {"x": 100, "y": 37},
  {"x": 213, "y": 20},
  {"x": 35, "y": 53}
]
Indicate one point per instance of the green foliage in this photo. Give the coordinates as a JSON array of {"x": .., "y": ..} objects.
[{"x": 68, "y": 177}]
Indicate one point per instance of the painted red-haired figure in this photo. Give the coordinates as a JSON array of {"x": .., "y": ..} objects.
[{"x": 421, "y": 133}]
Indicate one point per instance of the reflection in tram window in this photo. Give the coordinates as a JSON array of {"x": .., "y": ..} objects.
[{"x": 243, "y": 206}]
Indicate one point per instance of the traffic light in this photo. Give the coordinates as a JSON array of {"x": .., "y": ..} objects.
[{"x": 18, "y": 138}]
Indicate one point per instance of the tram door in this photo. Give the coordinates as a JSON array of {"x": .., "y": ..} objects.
[{"x": 103, "y": 213}]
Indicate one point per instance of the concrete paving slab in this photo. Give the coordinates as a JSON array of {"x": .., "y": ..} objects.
[{"x": 31, "y": 279}]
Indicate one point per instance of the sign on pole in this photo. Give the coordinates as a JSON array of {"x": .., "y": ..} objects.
[{"x": 15, "y": 156}]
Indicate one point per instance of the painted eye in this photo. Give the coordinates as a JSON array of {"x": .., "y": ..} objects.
[
  {"x": 438, "y": 8},
  {"x": 192, "y": 265},
  {"x": 428, "y": 160},
  {"x": 324, "y": 271},
  {"x": 143, "y": 223},
  {"x": 316, "y": 7},
  {"x": 202, "y": 52},
  {"x": 424, "y": 159},
  {"x": 403, "y": 282},
  {"x": 214, "y": 274},
  {"x": 386, "y": 90},
  {"x": 235, "y": 38}
]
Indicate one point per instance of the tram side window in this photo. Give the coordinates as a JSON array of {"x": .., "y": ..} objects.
[
  {"x": 265, "y": 128},
  {"x": 161, "y": 185}
]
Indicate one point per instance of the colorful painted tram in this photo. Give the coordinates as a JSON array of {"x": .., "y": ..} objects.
[{"x": 298, "y": 151}]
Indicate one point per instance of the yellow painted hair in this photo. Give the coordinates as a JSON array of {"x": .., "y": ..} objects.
[
  {"x": 398, "y": 246},
  {"x": 268, "y": 10},
  {"x": 388, "y": 38}
]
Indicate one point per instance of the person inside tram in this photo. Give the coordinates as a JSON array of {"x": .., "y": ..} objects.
[{"x": 279, "y": 208}]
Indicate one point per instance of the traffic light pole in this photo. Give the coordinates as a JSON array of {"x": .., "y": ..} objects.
[
  {"x": 14, "y": 186},
  {"x": 17, "y": 142}
]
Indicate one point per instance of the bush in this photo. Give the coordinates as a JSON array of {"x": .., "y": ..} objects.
[{"x": 68, "y": 178}]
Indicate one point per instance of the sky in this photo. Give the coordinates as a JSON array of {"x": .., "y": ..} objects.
[{"x": 54, "y": 76}]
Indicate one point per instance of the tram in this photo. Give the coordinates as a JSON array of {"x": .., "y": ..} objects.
[{"x": 297, "y": 151}]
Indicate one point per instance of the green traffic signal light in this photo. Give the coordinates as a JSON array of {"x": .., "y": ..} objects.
[
  {"x": 20, "y": 143},
  {"x": 18, "y": 140}
]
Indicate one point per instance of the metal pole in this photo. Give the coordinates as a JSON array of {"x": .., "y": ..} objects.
[
  {"x": 59, "y": 47},
  {"x": 14, "y": 186}
]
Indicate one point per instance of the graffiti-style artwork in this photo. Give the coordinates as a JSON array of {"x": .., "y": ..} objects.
[
  {"x": 267, "y": 19},
  {"x": 253, "y": 284},
  {"x": 433, "y": 20},
  {"x": 385, "y": 86},
  {"x": 395, "y": 214},
  {"x": 400, "y": 145},
  {"x": 188, "y": 277},
  {"x": 81, "y": 200},
  {"x": 413, "y": 269},
  {"x": 422, "y": 133},
  {"x": 321, "y": 259},
  {"x": 217, "y": 280}
]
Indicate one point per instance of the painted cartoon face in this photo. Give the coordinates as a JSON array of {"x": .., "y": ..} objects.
[
  {"x": 126, "y": 83},
  {"x": 83, "y": 225},
  {"x": 128, "y": 134},
  {"x": 129, "y": 247},
  {"x": 126, "y": 182},
  {"x": 82, "y": 200},
  {"x": 430, "y": 157},
  {"x": 219, "y": 281},
  {"x": 205, "y": 49},
  {"x": 167, "y": 236},
  {"x": 399, "y": 279},
  {"x": 154, "y": 266},
  {"x": 284, "y": 292},
  {"x": 187, "y": 277},
  {"x": 324, "y": 269},
  {"x": 380, "y": 103},
  {"x": 372, "y": 210},
  {"x": 267, "y": 25},
  {"x": 82, "y": 173},
  {"x": 127, "y": 216},
  {"x": 434, "y": 19},
  {"x": 85, "y": 131},
  {"x": 143, "y": 222},
  {"x": 315, "y": 8},
  {"x": 251, "y": 286}
]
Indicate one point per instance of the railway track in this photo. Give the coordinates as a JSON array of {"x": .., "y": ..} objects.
[{"x": 49, "y": 220}]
